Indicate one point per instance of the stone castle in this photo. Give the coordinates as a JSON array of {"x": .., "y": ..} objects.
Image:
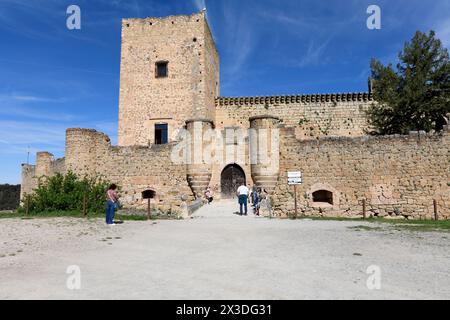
[{"x": 169, "y": 83}]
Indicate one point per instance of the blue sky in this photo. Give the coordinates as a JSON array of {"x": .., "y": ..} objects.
[{"x": 52, "y": 78}]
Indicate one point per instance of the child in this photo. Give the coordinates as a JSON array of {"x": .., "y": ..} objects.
[
  {"x": 209, "y": 195},
  {"x": 257, "y": 201}
]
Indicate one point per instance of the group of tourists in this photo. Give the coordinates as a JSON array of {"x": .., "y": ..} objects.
[
  {"x": 248, "y": 194},
  {"x": 245, "y": 194}
]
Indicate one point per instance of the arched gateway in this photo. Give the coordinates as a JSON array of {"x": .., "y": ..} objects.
[{"x": 231, "y": 178}]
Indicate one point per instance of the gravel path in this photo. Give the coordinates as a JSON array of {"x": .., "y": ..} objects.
[{"x": 220, "y": 255}]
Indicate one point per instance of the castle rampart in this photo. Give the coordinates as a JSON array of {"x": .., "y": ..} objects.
[
  {"x": 396, "y": 175},
  {"x": 311, "y": 115}
]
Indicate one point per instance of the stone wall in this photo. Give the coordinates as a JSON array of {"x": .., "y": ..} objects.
[
  {"x": 397, "y": 175},
  {"x": 134, "y": 168},
  {"x": 310, "y": 115},
  {"x": 188, "y": 91},
  {"x": 45, "y": 166},
  {"x": 212, "y": 74},
  {"x": 27, "y": 183}
]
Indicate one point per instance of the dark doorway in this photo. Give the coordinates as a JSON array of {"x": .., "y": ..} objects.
[
  {"x": 231, "y": 178},
  {"x": 161, "y": 133},
  {"x": 324, "y": 196},
  {"x": 148, "y": 194},
  {"x": 440, "y": 123}
]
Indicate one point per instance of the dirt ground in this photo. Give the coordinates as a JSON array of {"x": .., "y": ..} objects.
[{"x": 219, "y": 255}]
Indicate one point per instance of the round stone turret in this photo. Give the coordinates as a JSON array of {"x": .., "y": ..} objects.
[
  {"x": 264, "y": 151},
  {"x": 198, "y": 171}
]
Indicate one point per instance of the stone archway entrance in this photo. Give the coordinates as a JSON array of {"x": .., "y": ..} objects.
[{"x": 231, "y": 178}]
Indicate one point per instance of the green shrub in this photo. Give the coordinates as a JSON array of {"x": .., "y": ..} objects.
[
  {"x": 9, "y": 196},
  {"x": 67, "y": 193}
]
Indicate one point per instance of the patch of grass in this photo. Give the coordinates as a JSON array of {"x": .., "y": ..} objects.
[
  {"x": 423, "y": 225},
  {"x": 416, "y": 225},
  {"x": 129, "y": 217},
  {"x": 45, "y": 214}
]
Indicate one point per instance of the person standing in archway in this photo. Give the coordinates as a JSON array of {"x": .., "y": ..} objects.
[{"x": 242, "y": 193}]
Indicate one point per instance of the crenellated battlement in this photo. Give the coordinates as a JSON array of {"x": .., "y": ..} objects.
[{"x": 286, "y": 99}]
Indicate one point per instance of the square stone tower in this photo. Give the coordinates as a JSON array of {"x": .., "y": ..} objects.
[{"x": 169, "y": 73}]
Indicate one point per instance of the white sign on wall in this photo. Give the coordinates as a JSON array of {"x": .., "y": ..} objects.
[{"x": 294, "y": 177}]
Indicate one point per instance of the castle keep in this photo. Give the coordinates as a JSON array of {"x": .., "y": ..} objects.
[{"x": 170, "y": 87}]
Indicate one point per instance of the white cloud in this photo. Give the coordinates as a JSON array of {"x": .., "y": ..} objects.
[
  {"x": 240, "y": 40},
  {"x": 293, "y": 22},
  {"x": 26, "y": 106},
  {"x": 28, "y": 98},
  {"x": 20, "y": 133},
  {"x": 37, "y": 114},
  {"x": 17, "y": 137},
  {"x": 314, "y": 55}
]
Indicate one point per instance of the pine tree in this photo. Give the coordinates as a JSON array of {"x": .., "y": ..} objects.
[{"x": 415, "y": 96}]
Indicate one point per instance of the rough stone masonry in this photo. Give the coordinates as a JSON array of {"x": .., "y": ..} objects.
[{"x": 169, "y": 85}]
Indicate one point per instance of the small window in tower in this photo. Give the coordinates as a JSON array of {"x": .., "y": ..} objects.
[
  {"x": 161, "y": 69},
  {"x": 161, "y": 133}
]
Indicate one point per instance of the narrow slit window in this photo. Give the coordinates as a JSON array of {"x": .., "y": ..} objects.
[
  {"x": 161, "y": 69},
  {"x": 161, "y": 133}
]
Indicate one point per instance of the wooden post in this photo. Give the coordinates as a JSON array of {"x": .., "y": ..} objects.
[
  {"x": 27, "y": 205},
  {"x": 435, "y": 208},
  {"x": 84, "y": 205},
  {"x": 364, "y": 208},
  {"x": 295, "y": 200},
  {"x": 149, "y": 212}
]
